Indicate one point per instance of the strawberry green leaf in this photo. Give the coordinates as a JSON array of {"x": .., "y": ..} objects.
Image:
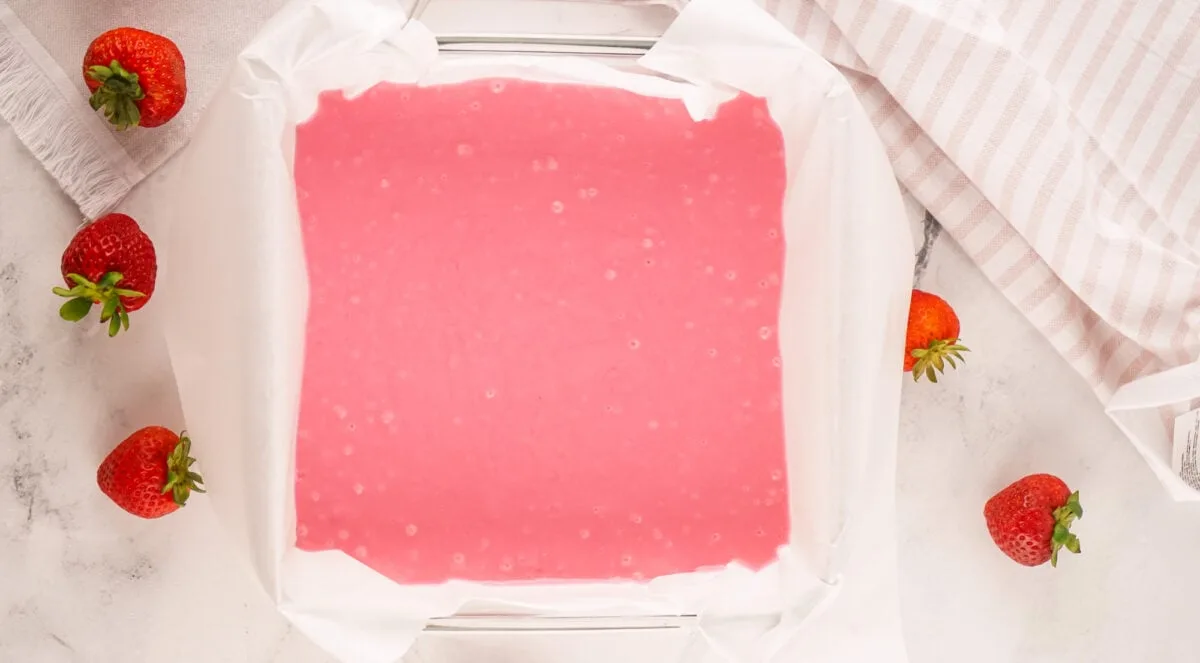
[
  {"x": 110, "y": 307},
  {"x": 75, "y": 309},
  {"x": 110, "y": 279},
  {"x": 1074, "y": 506},
  {"x": 99, "y": 72},
  {"x": 1064, "y": 517},
  {"x": 181, "y": 481},
  {"x": 105, "y": 292},
  {"x": 932, "y": 360},
  {"x": 117, "y": 95}
]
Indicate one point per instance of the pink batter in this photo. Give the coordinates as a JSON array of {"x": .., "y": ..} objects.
[{"x": 541, "y": 340}]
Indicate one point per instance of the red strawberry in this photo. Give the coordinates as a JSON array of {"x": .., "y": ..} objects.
[
  {"x": 1031, "y": 519},
  {"x": 137, "y": 77},
  {"x": 112, "y": 251},
  {"x": 932, "y": 338},
  {"x": 149, "y": 474}
]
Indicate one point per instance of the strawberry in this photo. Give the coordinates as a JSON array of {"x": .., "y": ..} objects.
[
  {"x": 137, "y": 77},
  {"x": 1031, "y": 519},
  {"x": 149, "y": 474},
  {"x": 932, "y": 337},
  {"x": 110, "y": 262}
]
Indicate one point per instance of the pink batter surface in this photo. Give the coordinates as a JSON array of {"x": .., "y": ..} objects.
[{"x": 541, "y": 340}]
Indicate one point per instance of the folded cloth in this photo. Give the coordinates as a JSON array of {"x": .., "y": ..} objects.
[
  {"x": 1059, "y": 144},
  {"x": 43, "y": 96}
]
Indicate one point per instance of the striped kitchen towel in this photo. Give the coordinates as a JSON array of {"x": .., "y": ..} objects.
[{"x": 1059, "y": 144}]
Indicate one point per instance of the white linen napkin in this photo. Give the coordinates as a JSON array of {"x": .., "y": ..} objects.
[{"x": 43, "y": 96}]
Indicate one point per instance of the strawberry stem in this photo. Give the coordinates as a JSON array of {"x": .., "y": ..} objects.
[
  {"x": 118, "y": 94},
  {"x": 105, "y": 292},
  {"x": 181, "y": 480}
]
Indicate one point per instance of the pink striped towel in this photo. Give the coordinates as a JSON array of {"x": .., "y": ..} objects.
[{"x": 1059, "y": 144}]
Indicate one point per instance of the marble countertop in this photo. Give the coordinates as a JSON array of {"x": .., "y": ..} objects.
[{"x": 78, "y": 584}]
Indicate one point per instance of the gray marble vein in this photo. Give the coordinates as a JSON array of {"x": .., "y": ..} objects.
[{"x": 930, "y": 231}]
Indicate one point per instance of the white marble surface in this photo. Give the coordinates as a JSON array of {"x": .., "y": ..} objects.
[
  {"x": 80, "y": 581},
  {"x": 1017, "y": 408}
]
